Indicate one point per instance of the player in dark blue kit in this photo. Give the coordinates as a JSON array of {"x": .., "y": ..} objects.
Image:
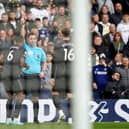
[
  {"x": 14, "y": 59},
  {"x": 63, "y": 56}
]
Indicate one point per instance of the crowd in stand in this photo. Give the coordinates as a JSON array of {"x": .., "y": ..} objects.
[{"x": 110, "y": 48}]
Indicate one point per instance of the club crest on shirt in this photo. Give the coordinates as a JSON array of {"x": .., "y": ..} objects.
[{"x": 38, "y": 56}]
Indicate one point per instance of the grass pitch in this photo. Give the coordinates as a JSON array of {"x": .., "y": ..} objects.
[
  {"x": 108, "y": 125},
  {"x": 37, "y": 126},
  {"x": 111, "y": 125}
]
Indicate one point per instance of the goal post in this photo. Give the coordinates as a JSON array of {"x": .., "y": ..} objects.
[{"x": 81, "y": 74}]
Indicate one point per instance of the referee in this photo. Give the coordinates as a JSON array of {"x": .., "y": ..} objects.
[{"x": 35, "y": 59}]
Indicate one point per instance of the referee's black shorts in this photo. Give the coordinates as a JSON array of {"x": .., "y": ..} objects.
[{"x": 32, "y": 83}]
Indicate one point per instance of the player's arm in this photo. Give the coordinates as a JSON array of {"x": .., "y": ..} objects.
[
  {"x": 1, "y": 59},
  {"x": 23, "y": 64},
  {"x": 43, "y": 68},
  {"x": 43, "y": 63}
]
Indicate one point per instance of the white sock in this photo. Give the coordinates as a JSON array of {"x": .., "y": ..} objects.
[
  {"x": 9, "y": 119},
  {"x": 70, "y": 121},
  {"x": 61, "y": 113},
  {"x": 16, "y": 119}
]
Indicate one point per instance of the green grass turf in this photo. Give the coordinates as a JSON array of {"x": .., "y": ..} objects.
[
  {"x": 111, "y": 125},
  {"x": 108, "y": 125},
  {"x": 37, "y": 126}
]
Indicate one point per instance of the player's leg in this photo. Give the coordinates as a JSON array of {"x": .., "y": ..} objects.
[
  {"x": 36, "y": 108},
  {"x": 5, "y": 78},
  {"x": 69, "y": 119},
  {"x": 3, "y": 93},
  {"x": 35, "y": 96},
  {"x": 9, "y": 107},
  {"x": 33, "y": 85},
  {"x": 69, "y": 97},
  {"x": 59, "y": 96},
  {"x": 18, "y": 97}
]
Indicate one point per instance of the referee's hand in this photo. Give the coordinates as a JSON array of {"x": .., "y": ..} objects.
[{"x": 41, "y": 74}]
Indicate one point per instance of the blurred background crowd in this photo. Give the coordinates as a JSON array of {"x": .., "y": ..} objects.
[{"x": 110, "y": 48}]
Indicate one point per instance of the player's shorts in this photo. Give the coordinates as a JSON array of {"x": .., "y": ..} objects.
[
  {"x": 5, "y": 78},
  {"x": 32, "y": 84},
  {"x": 60, "y": 83},
  {"x": 13, "y": 85},
  {"x": 5, "y": 72},
  {"x": 18, "y": 84}
]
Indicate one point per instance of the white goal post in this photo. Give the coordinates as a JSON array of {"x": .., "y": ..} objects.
[{"x": 81, "y": 74}]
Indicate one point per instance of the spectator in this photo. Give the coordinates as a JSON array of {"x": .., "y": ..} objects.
[
  {"x": 50, "y": 47},
  {"x": 99, "y": 46},
  {"x": 109, "y": 37},
  {"x": 105, "y": 23},
  {"x": 35, "y": 31},
  {"x": 92, "y": 9},
  {"x": 118, "y": 44},
  {"x": 117, "y": 61},
  {"x": 16, "y": 25},
  {"x": 54, "y": 28},
  {"x": 2, "y": 10},
  {"x": 58, "y": 38},
  {"x": 43, "y": 43},
  {"x": 94, "y": 57},
  {"x": 106, "y": 2},
  {"x": 44, "y": 31},
  {"x": 104, "y": 10},
  {"x": 61, "y": 2},
  {"x": 22, "y": 10},
  {"x": 29, "y": 22},
  {"x": 94, "y": 6},
  {"x": 98, "y": 27},
  {"x": 100, "y": 77},
  {"x": 117, "y": 16},
  {"x": 126, "y": 49},
  {"x": 61, "y": 17},
  {"x": 38, "y": 23},
  {"x": 10, "y": 35},
  {"x": 53, "y": 13},
  {"x": 4, "y": 41},
  {"x": 68, "y": 25},
  {"x": 38, "y": 11},
  {"x": 125, "y": 5},
  {"x": 112, "y": 89},
  {"x": 47, "y": 82},
  {"x": 124, "y": 73},
  {"x": 93, "y": 31},
  {"x": 123, "y": 28},
  {"x": 4, "y": 24}
]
